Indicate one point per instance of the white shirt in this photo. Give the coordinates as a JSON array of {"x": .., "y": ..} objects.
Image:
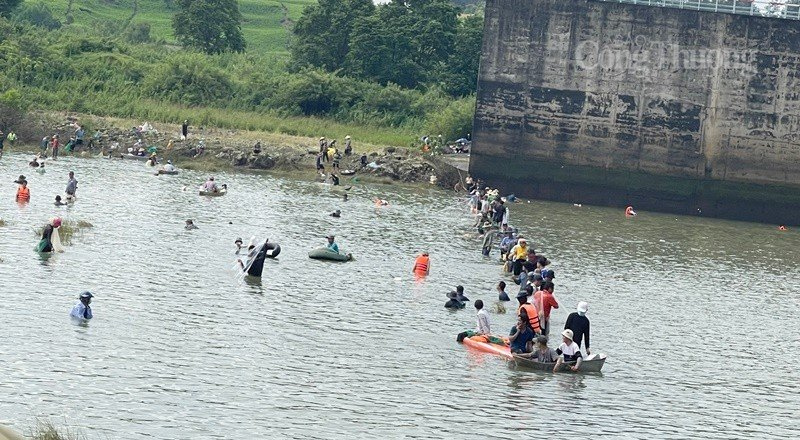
[
  {"x": 483, "y": 322},
  {"x": 169, "y": 167},
  {"x": 569, "y": 350}
]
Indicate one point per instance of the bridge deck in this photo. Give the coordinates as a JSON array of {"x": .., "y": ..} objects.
[{"x": 785, "y": 9}]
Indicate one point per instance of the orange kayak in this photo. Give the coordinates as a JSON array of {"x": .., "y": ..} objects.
[{"x": 478, "y": 343}]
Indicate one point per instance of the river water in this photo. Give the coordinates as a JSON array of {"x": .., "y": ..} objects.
[{"x": 698, "y": 316}]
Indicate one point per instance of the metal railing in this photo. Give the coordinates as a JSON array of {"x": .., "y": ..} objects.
[{"x": 787, "y": 9}]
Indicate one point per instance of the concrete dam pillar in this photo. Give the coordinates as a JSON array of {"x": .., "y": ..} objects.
[{"x": 668, "y": 109}]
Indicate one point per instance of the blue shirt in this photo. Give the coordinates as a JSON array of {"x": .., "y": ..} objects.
[
  {"x": 522, "y": 340},
  {"x": 334, "y": 247},
  {"x": 81, "y": 311}
]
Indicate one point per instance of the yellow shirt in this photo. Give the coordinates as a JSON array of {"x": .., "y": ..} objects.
[{"x": 520, "y": 252}]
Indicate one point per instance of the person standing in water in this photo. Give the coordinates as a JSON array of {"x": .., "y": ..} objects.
[
  {"x": 82, "y": 310},
  {"x": 23, "y": 193},
  {"x": 483, "y": 327},
  {"x": 72, "y": 185},
  {"x": 422, "y": 265},
  {"x": 50, "y": 242},
  {"x": 55, "y": 144},
  {"x": 578, "y": 324}
]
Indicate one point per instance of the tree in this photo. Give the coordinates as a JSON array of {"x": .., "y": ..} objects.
[
  {"x": 213, "y": 26},
  {"x": 322, "y": 34},
  {"x": 13, "y": 108},
  {"x": 413, "y": 38},
  {"x": 460, "y": 74},
  {"x": 8, "y": 6},
  {"x": 37, "y": 14}
]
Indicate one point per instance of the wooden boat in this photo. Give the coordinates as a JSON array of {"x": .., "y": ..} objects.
[
  {"x": 219, "y": 193},
  {"x": 592, "y": 364},
  {"x": 171, "y": 173},
  {"x": 324, "y": 253}
]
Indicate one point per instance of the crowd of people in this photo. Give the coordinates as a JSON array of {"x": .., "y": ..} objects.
[{"x": 534, "y": 285}]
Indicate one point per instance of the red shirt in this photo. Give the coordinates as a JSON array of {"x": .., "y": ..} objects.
[{"x": 544, "y": 300}]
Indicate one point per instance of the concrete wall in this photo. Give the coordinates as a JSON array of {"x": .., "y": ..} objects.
[{"x": 671, "y": 109}]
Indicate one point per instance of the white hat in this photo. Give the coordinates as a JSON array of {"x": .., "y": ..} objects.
[
  {"x": 567, "y": 334},
  {"x": 583, "y": 307},
  {"x": 347, "y": 137}
]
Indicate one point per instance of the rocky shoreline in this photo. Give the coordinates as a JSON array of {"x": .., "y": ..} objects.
[{"x": 233, "y": 150}]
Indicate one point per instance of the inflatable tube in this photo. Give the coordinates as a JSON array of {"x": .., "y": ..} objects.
[
  {"x": 272, "y": 250},
  {"x": 219, "y": 193},
  {"x": 347, "y": 172},
  {"x": 324, "y": 253},
  {"x": 257, "y": 265}
]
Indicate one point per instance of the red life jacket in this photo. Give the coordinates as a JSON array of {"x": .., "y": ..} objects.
[
  {"x": 421, "y": 265},
  {"x": 23, "y": 194},
  {"x": 533, "y": 317}
]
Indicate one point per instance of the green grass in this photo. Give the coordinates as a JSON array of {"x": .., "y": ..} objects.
[
  {"x": 266, "y": 22},
  {"x": 267, "y": 122}
]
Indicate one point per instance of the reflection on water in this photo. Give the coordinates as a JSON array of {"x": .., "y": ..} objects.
[{"x": 693, "y": 313}]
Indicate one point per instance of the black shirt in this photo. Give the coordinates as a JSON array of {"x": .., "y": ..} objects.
[{"x": 579, "y": 326}]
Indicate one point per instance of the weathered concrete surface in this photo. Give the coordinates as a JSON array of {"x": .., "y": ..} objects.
[{"x": 669, "y": 109}]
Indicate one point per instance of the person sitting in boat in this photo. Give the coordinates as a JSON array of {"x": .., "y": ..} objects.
[
  {"x": 190, "y": 225},
  {"x": 569, "y": 352},
  {"x": 521, "y": 336},
  {"x": 332, "y": 244},
  {"x": 453, "y": 302},
  {"x": 541, "y": 352},
  {"x": 169, "y": 167},
  {"x": 210, "y": 185}
]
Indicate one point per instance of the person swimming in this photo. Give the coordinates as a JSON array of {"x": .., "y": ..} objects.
[
  {"x": 336, "y": 214},
  {"x": 190, "y": 225},
  {"x": 58, "y": 202}
]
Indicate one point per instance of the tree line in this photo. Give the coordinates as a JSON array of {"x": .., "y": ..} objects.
[{"x": 409, "y": 67}]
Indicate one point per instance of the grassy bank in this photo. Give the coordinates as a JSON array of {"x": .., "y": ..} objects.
[
  {"x": 267, "y": 124},
  {"x": 266, "y": 25}
]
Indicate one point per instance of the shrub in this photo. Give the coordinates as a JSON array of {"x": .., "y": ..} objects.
[
  {"x": 455, "y": 121},
  {"x": 37, "y": 14},
  {"x": 188, "y": 80}
]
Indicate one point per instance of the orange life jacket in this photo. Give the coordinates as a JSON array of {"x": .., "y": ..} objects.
[
  {"x": 533, "y": 317},
  {"x": 421, "y": 264},
  {"x": 23, "y": 194}
]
